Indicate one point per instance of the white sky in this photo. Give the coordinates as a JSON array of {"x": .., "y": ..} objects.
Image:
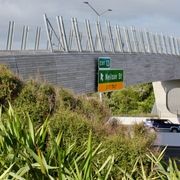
[{"x": 154, "y": 15}]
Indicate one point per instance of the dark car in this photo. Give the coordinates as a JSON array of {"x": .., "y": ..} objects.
[{"x": 164, "y": 125}]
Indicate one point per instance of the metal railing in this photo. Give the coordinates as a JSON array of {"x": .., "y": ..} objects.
[{"x": 87, "y": 37}]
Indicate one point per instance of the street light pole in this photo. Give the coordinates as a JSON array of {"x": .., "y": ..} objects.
[{"x": 97, "y": 13}]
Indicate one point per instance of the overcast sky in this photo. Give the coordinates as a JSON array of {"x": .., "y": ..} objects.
[{"x": 154, "y": 15}]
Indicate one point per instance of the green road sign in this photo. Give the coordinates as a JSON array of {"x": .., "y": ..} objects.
[
  {"x": 110, "y": 75},
  {"x": 104, "y": 62}
]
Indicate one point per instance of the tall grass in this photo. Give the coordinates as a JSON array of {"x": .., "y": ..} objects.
[{"x": 32, "y": 153}]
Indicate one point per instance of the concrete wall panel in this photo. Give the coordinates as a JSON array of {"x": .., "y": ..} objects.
[{"x": 78, "y": 71}]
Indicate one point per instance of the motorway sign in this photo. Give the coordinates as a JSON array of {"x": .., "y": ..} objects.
[
  {"x": 104, "y": 62},
  {"x": 110, "y": 80}
]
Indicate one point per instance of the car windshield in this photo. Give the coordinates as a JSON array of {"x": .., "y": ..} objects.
[{"x": 167, "y": 122}]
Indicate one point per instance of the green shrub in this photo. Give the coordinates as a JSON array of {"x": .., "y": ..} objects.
[
  {"x": 127, "y": 145},
  {"x": 10, "y": 85},
  {"x": 134, "y": 100},
  {"x": 38, "y": 100},
  {"x": 74, "y": 126},
  {"x": 92, "y": 109}
]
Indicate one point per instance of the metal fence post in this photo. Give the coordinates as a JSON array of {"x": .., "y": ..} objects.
[
  {"x": 77, "y": 34},
  {"x": 48, "y": 32},
  {"x": 119, "y": 39},
  {"x": 89, "y": 34},
  {"x": 62, "y": 32},
  {"x": 100, "y": 37},
  {"x": 37, "y": 38},
  {"x": 10, "y": 35},
  {"x": 127, "y": 38},
  {"x": 148, "y": 42},
  {"x": 142, "y": 41},
  {"x": 110, "y": 36}
]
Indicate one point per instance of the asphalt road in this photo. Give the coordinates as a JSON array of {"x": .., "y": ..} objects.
[{"x": 172, "y": 141}]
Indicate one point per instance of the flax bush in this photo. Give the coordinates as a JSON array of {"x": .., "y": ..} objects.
[{"x": 35, "y": 153}]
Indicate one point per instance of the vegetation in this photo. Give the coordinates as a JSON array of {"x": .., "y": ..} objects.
[
  {"x": 30, "y": 152},
  {"x": 138, "y": 99},
  {"x": 50, "y": 133}
]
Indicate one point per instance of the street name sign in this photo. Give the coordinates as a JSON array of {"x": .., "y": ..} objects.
[
  {"x": 104, "y": 62},
  {"x": 110, "y": 80}
]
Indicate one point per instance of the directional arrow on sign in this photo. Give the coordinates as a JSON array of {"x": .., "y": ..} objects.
[{"x": 102, "y": 77}]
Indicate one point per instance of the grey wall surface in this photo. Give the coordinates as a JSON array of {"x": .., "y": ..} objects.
[{"x": 78, "y": 71}]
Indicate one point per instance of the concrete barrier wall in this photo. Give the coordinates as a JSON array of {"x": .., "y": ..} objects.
[{"x": 78, "y": 71}]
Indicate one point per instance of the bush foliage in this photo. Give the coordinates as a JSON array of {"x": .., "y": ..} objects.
[
  {"x": 60, "y": 147},
  {"x": 138, "y": 99},
  {"x": 10, "y": 85},
  {"x": 36, "y": 99}
]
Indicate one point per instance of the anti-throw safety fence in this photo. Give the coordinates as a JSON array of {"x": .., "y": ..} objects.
[{"x": 87, "y": 37}]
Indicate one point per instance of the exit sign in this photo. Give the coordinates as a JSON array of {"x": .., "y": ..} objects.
[
  {"x": 104, "y": 62},
  {"x": 110, "y": 80}
]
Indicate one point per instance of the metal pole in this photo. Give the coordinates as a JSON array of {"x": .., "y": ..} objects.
[
  {"x": 77, "y": 35},
  {"x": 119, "y": 39},
  {"x": 170, "y": 45},
  {"x": 155, "y": 43},
  {"x": 148, "y": 42},
  {"x": 89, "y": 34},
  {"x": 11, "y": 35},
  {"x": 110, "y": 36},
  {"x": 62, "y": 32},
  {"x": 165, "y": 44},
  {"x": 160, "y": 43},
  {"x": 135, "y": 40},
  {"x": 178, "y": 44},
  {"x": 48, "y": 32},
  {"x": 99, "y": 32},
  {"x": 142, "y": 41},
  {"x": 38, "y": 39},
  {"x": 22, "y": 41},
  {"x": 26, "y": 36},
  {"x": 127, "y": 38},
  {"x": 8, "y": 36},
  {"x": 174, "y": 45}
]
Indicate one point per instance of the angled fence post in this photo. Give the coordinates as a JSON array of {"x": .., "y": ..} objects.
[
  {"x": 100, "y": 37},
  {"x": 89, "y": 34},
  {"x": 135, "y": 39},
  {"x": 155, "y": 43},
  {"x": 160, "y": 43},
  {"x": 164, "y": 44},
  {"x": 10, "y": 35},
  {"x": 110, "y": 36},
  {"x": 24, "y": 37},
  {"x": 175, "y": 47},
  {"x": 148, "y": 42},
  {"x": 127, "y": 38},
  {"x": 62, "y": 32},
  {"x": 77, "y": 34},
  {"x": 119, "y": 39},
  {"x": 48, "y": 32},
  {"x": 170, "y": 45},
  {"x": 37, "y": 38},
  {"x": 142, "y": 41},
  {"x": 178, "y": 45}
]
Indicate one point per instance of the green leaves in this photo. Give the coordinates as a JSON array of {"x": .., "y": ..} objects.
[
  {"x": 136, "y": 99},
  {"x": 36, "y": 152}
]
